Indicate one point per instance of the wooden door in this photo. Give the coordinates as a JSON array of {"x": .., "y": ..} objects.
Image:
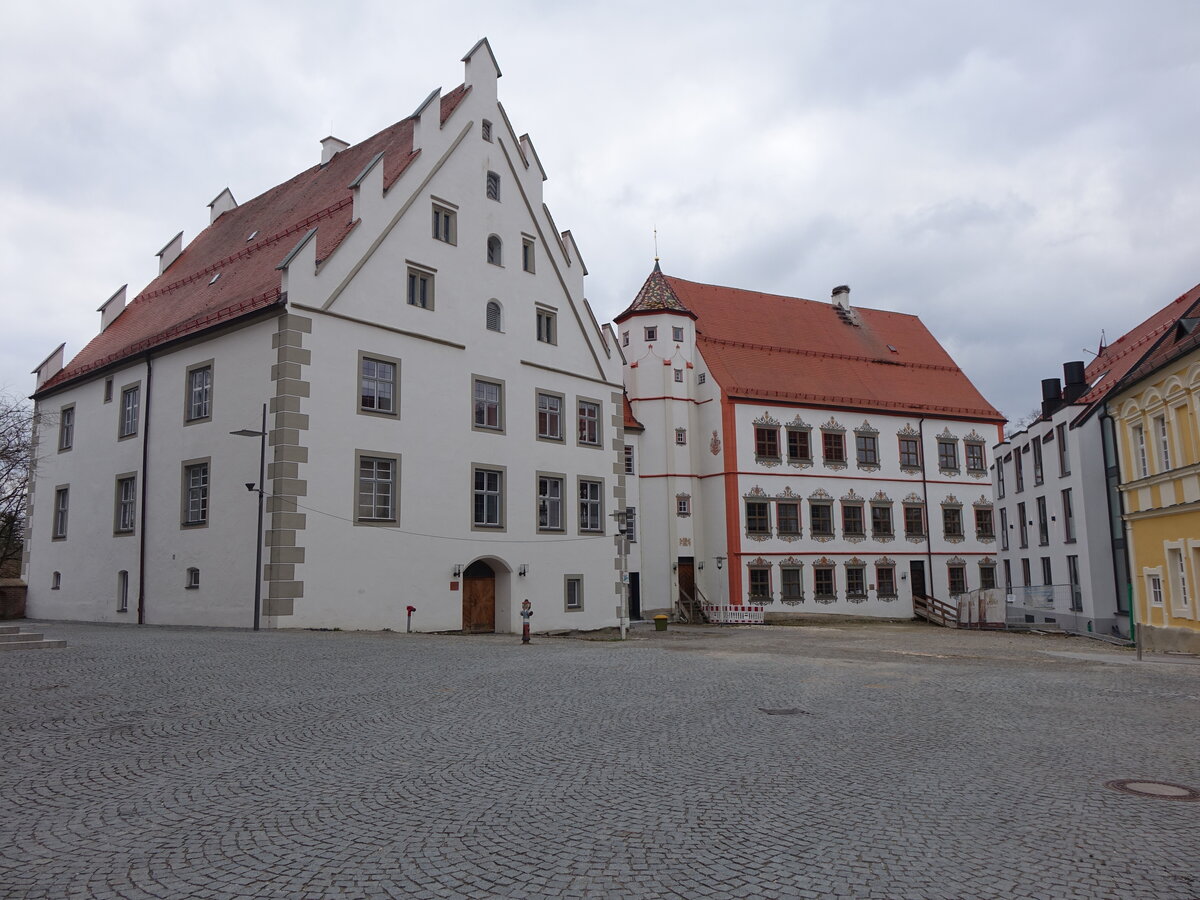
[
  {"x": 687, "y": 580},
  {"x": 916, "y": 570},
  {"x": 635, "y": 595},
  {"x": 479, "y": 599}
]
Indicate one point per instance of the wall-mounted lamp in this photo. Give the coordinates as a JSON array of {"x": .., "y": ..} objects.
[
  {"x": 701, "y": 567},
  {"x": 523, "y": 569},
  {"x": 720, "y": 562},
  {"x": 674, "y": 567},
  {"x": 904, "y": 576},
  {"x": 457, "y": 570}
]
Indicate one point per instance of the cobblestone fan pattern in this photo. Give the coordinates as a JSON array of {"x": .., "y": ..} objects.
[{"x": 914, "y": 762}]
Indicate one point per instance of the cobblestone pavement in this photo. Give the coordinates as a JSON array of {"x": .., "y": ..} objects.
[{"x": 917, "y": 762}]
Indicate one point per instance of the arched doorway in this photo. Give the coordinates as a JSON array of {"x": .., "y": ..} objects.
[{"x": 479, "y": 599}]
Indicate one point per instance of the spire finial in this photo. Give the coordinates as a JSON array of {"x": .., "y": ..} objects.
[{"x": 656, "y": 246}]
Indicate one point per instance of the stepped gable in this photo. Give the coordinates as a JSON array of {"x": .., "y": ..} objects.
[
  {"x": 1141, "y": 349},
  {"x": 244, "y": 246},
  {"x": 655, "y": 296},
  {"x": 786, "y": 349}
]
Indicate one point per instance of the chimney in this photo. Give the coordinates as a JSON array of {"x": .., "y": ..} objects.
[
  {"x": 1051, "y": 396},
  {"x": 1076, "y": 381},
  {"x": 330, "y": 147},
  {"x": 841, "y": 296}
]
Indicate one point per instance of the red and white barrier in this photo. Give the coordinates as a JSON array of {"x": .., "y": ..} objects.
[{"x": 734, "y": 615}]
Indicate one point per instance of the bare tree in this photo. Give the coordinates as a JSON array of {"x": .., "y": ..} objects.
[{"x": 16, "y": 458}]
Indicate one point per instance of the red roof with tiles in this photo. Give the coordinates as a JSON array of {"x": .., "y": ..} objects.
[
  {"x": 243, "y": 247},
  {"x": 785, "y": 349},
  {"x": 631, "y": 423},
  {"x": 1144, "y": 347}
]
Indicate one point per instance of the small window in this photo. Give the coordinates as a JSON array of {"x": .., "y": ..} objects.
[
  {"x": 1153, "y": 583},
  {"x": 528, "y": 259},
  {"x": 199, "y": 393},
  {"x": 987, "y": 576},
  {"x": 377, "y": 386},
  {"x": 495, "y": 250},
  {"x": 376, "y": 489},
  {"x": 126, "y": 503},
  {"x": 193, "y": 578},
  {"x": 650, "y": 332},
  {"x": 549, "y": 417},
  {"x": 624, "y": 338},
  {"x": 550, "y": 497},
  {"x": 591, "y": 515},
  {"x": 108, "y": 390},
  {"x": 195, "y": 494},
  {"x": 489, "y": 405},
  {"x": 701, "y": 378},
  {"x": 488, "y": 498},
  {"x": 420, "y": 288},
  {"x": 123, "y": 591},
  {"x": 493, "y": 186},
  {"x": 630, "y": 531},
  {"x": 573, "y": 593},
  {"x": 679, "y": 376},
  {"x": 66, "y": 428},
  {"x": 628, "y": 459},
  {"x": 62, "y": 505},
  {"x": 486, "y": 129},
  {"x": 914, "y": 521},
  {"x": 683, "y": 506},
  {"x": 56, "y": 581},
  {"x": 680, "y": 437},
  {"x": 799, "y": 445},
  {"x": 885, "y": 581},
  {"x": 852, "y": 520},
  {"x": 546, "y": 327},
  {"x": 787, "y": 517},
  {"x": 445, "y": 224},
  {"x": 130, "y": 400},
  {"x": 589, "y": 423},
  {"x": 676, "y": 333},
  {"x": 790, "y": 584},
  {"x": 1038, "y": 475},
  {"x": 494, "y": 317}
]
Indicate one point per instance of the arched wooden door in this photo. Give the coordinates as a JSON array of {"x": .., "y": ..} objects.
[{"x": 479, "y": 599}]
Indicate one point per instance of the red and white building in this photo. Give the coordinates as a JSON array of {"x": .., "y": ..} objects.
[{"x": 811, "y": 457}]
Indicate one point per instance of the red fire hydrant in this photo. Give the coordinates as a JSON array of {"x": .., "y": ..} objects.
[
  {"x": 411, "y": 610},
  {"x": 526, "y": 615}
]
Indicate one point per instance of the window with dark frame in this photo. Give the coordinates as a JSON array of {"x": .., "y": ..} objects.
[
  {"x": 820, "y": 517},
  {"x": 984, "y": 529},
  {"x": 546, "y": 332},
  {"x": 528, "y": 257},
  {"x": 799, "y": 445},
  {"x": 867, "y": 448},
  {"x": 791, "y": 585},
  {"x": 1038, "y": 474},
  {"x": 495, "y": 250},
  {"x": 833, "y": 444},
  {"x": 758, "y": 520},
  {"x": 824, "y": 584},
  {"x": 1023, "y": 525},
  {"x": 975, "y": 457},
  {"x": 910, "y": 453},
  {"x": 1068, "y": 511},
  {"x": 760, "y": 583},
  {"x": 952, "y": 524},
  {"x": 766, "y": 442},
  {"x": 495, "y": 317},
  {"x": 420, "y": 288},
  {"x": 885, "y": 581},
  {"x": 958, "y": 579},
  {"x": 853, "y": 524},
  {"x": 444, "y": 224},
  {"x": 787, "y": 516},
  {"x": 650, "y": 332},
  {"x": 676, "y": 333},
  {"x": 914, "y": 520},
  {"x": 628, "y": 459},
  {"x": 856, "y": 581},
  {"x": 1043, "y": 521},
  {"x": 493, "y": 186},
  {"x": 881, "y": 520},
  {"x": 947, "y": 454}
]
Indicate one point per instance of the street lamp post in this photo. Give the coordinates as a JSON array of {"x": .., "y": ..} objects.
[
  {"x": 262, "y": 466},
  {"x": 621, "y": 518}
]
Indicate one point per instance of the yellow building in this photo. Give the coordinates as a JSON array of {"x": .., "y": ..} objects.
[{"x": 1156, "y": 414}]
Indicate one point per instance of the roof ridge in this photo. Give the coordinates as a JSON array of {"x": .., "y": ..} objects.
[
  {"x": 937, "y": 367},
  {"x": 858, "y": 402}
]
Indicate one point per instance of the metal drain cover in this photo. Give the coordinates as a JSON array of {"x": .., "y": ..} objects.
[
  {"x": 1158, "y": 790},
  {"x": 784, "y": 712}
]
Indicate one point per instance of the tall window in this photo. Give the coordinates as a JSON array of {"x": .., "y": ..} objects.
[
  {"x": 787, "y": 517},
  {"x": 376, "y": 489},
  {"x": 952, "y": 524},
  {"x": 489, "y": 410},
  {"x": 766, "y": 442},
  {"x": 495, "y": 250},
  {"x": 590, "y": 515},
  {"x": 947, "y": 454},
  {"x": 123, "y": 591},
  {"x": 1139, "y": 445},
  {"x": 1164, "y": 445},
  {"x": 589, "y": 423},
  {"x": 1026, "y": 576},
  {"x": 488, "y": 498},
  {"x": 790, "y": 584},
  {"x": 1068, "y": 511},
  {"x": 66, "y": 428},
  {"x": 1154, "y": 588},
  {"x": 677, "y": 333},
  {"x": 444, "y": 224},
  {"x": 867, "y": 448},
  {"x": 910, "y": 453},
  {"x": 528, "y": 259},
  {"x": 1038, "y": 474},
  {"x": 377, "y": 386},
  {"x": 1073, "y": 580},
  {"x": 62, "y": 505},
  {"x": 885, "y": 581},
  {"x": 550, "y": 492},
  {"x": 549, "y": 417},
  {"x": 493, "y": 186},
  {"x": 195, "y": 494},
  {"x": 958, "y": 579},
  {"x": 914, "y": 520},
  {"x": 130, "y": 399},
  {"x": 856, "y": 581},
  {"x": 760, "y": 583},
  {"x": 1000, "y": 476},
  {"x": 1179, "y": 572},
  {"x": 1064, "y": 458},
  {"x": 1043, "y": 523},
  {"x": 983, "y": 523},
  {"x": 199, "y": 399},
  {"x": 126, "y": 504},
  {"x": 1019, "y": 470},
  {"x": 987, "y": 576},
  {"x": 546, "y": 331},
  {"x": 573, "y": 593},
  {"x": 881, "y": 520},
  {"x": 852, "y": 520},
  {"x": 494, "y": 316},
  {"x": 1047, "y": 571},
  {"x": 420, "y": 288},
  {"x": 1023, "y": 525},
  {"x": 486, "y": 130},
  {"x": 1003, "y": 528},
  {"x": 823, "y": 582},
  {"x": 758, "y": 519},
  {"x": 820, "y": 518},
  {"x": 799, "y": 445},
  {"x": 833, "y": 443},
  {"x": 975, "y": 457}
]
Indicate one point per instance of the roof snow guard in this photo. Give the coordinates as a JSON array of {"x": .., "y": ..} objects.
[{"x": 656, "y": 295}]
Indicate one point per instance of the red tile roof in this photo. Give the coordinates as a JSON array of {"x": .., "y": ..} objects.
[
  {"x": 785, "y": 349},
  {"x": 631, "y": 423},
  {"x": 184, "y": 300},
  {"x": 1139, "y": 350}
]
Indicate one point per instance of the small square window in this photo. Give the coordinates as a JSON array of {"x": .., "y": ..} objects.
[
  {"x": 679, "y": 376},
  {"x": 680, "y": 437},
  {"x": 683, "y": 506},
  {"x": 628, "y": 459},
  {"x": 445, "y": 224},
  {"x": 676, "y": 333},
  {"x": 701, "y": 378},
  {"x": 650, "y": 332},
  {"x": 420, "y": 288},
  {"x": 547, "y": 332},
  {"x": 493, "y": 186}
]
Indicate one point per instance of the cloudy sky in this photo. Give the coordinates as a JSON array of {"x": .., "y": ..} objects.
[{"x": 1019, "y": 174}]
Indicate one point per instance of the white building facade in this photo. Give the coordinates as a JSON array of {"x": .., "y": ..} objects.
[
  {"x": 785, "y": 462},
  {"x": 444, "y": 422}
]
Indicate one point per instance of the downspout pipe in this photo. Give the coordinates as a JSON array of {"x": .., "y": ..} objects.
[
  {"x": 928, "y": 514},
  {"x": 142, "y": 531}
]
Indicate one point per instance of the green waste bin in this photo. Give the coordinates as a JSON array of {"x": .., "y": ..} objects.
[{"x": 660, "y": 623}]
